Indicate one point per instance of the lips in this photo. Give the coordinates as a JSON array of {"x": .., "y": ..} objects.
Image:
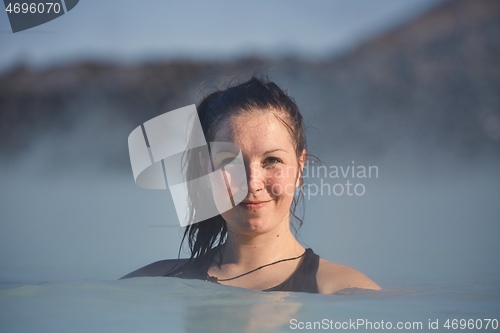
[{"x": 253, "y": 205}]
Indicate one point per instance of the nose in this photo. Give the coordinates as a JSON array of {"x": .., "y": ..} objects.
[{"x": 255, "y": 178}]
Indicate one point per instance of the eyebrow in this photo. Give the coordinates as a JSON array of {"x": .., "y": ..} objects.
[
  {"x": 273, "y": 150},
  {"x": 265, "y": 153},
  {"x": 225, "y": 152}
]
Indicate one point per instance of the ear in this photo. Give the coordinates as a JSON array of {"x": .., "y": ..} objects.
[{"x": 302, "y": 162}]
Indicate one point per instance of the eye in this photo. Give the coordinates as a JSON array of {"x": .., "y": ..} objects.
[
  {"x": 229, "y": 162},
  {"x": 223, "y": 158},
  {"x": 226, "y": 161},
  {"x": 272, "y": 160}
]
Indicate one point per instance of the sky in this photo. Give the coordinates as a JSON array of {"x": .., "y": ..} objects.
[{"x": 134, "y": 31}]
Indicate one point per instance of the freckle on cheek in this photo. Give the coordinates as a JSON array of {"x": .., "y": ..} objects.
[{"x": 277, "y": 235}]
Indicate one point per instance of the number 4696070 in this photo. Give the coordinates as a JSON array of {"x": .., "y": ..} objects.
[
  {"x": 471, "y": 324},
  {"x": 39, "y": 8}
]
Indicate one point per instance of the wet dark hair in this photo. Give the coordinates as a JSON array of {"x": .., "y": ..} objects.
[{"x": 255, "y": 95}]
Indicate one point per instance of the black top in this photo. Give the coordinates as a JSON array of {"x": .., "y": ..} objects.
[{"x": 302, "y": 280}]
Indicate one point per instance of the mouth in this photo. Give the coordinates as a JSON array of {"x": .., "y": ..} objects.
[{"x": 253, "y": 205}]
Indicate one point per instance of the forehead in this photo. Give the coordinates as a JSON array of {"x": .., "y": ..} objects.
[{"x": 255, "y": 126}]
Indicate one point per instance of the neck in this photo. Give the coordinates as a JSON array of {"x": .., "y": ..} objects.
[{"x": 247, "y": 250}]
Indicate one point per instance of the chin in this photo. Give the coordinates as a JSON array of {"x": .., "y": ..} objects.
[{"x": 251, "y": 225}]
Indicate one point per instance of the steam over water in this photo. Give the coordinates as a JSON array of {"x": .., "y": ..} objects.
[{"x": 420, "y": 218}]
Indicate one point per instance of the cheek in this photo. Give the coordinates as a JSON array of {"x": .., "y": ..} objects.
[
  {"x": 218, "y": 184},
  {"x": 219, "y": 192},
  {"x": 236, "y": 183},
  {"x": 228, "y": 187},
  {"x": 281, "y": 187}
]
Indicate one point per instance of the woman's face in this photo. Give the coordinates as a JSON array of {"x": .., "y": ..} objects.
[{"x": 272, "y": 171}]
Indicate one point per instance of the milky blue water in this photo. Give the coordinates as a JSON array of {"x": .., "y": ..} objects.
[{"x": 175, "y": 305}]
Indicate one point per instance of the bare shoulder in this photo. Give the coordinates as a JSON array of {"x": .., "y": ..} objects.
[
  {"x": 158, "y": 268},
  {"x": 333, "y": 277}
]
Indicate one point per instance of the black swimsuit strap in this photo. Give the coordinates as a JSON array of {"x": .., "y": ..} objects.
[
  {"x": 304, "y": 277},
  {"x": 302, "y": 280}
]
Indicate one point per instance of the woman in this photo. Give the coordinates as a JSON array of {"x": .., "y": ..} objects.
[{"x": 252, "y": 245}]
